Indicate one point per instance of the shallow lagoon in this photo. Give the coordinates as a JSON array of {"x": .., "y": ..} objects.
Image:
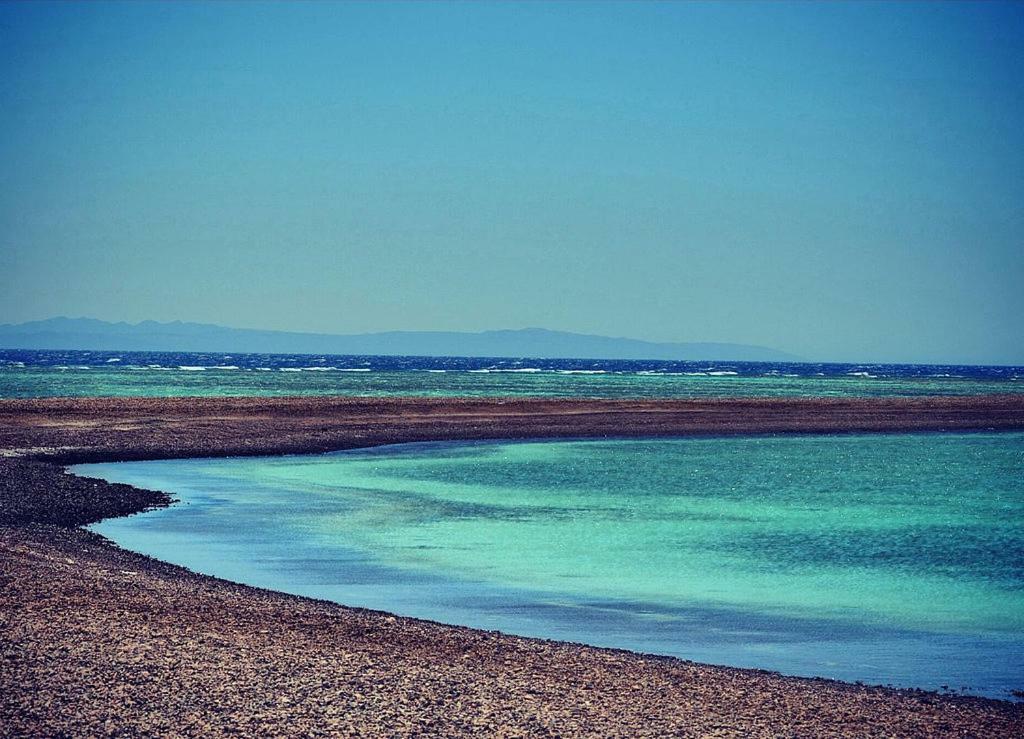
[{"x": 887, "y": 559}]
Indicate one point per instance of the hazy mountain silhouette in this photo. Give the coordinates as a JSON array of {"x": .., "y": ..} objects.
[{"x": 92, "y": 334}]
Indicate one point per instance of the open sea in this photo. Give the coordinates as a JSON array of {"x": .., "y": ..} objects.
[{"x": 32, "y": 374}]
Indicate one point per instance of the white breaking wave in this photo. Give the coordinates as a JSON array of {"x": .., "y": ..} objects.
[
  {"x": 722, "y": 373},
  {"x": 582, "y": 372},
  {"x": 115, "y": 359},
  {"x": 860, "y": 374},
  {"x": 290, "y": 369},
  {"x": 190, "y": 368}
]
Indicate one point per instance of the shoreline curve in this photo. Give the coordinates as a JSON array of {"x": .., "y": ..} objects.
[{"x": 72, "y": 617}]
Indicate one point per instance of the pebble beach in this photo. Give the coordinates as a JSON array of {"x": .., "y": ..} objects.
[{"x": 100, "y": 641}]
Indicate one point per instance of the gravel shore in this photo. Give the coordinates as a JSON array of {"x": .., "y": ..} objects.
[{"x": 95, "y": 640}]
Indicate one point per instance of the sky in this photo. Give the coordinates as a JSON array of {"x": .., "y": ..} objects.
[{"x": 840, "y": 181}]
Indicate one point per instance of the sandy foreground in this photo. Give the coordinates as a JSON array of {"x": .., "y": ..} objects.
[{"x": 96, "y": 641}]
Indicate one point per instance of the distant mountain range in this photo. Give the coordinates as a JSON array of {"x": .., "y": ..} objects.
[{"x": 92, "y": 334}]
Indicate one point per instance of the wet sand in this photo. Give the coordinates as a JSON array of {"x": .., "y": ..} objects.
[{"x": 95, "y": 640}]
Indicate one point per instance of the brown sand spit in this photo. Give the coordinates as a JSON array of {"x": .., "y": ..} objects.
[{"x": 97, "y": 641}]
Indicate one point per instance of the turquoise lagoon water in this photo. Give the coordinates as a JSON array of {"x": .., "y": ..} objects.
[{"x": 895, "y": 559}]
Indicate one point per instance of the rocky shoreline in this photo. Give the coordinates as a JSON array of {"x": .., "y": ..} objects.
[{"x": 95, "y": 640}]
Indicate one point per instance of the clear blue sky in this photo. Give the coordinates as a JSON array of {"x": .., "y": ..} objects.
[{"x": 845, "y": 182}]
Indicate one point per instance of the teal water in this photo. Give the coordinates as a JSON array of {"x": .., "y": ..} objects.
[
  {"x": 895, "y": 559},
  {"x": 38, "y": 382}
]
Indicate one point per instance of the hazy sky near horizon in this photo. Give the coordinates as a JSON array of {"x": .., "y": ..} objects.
[{"x": 840, "y": 181}]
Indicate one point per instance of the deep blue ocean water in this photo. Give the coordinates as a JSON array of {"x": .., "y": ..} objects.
[{"x": 28, "y": 374}]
